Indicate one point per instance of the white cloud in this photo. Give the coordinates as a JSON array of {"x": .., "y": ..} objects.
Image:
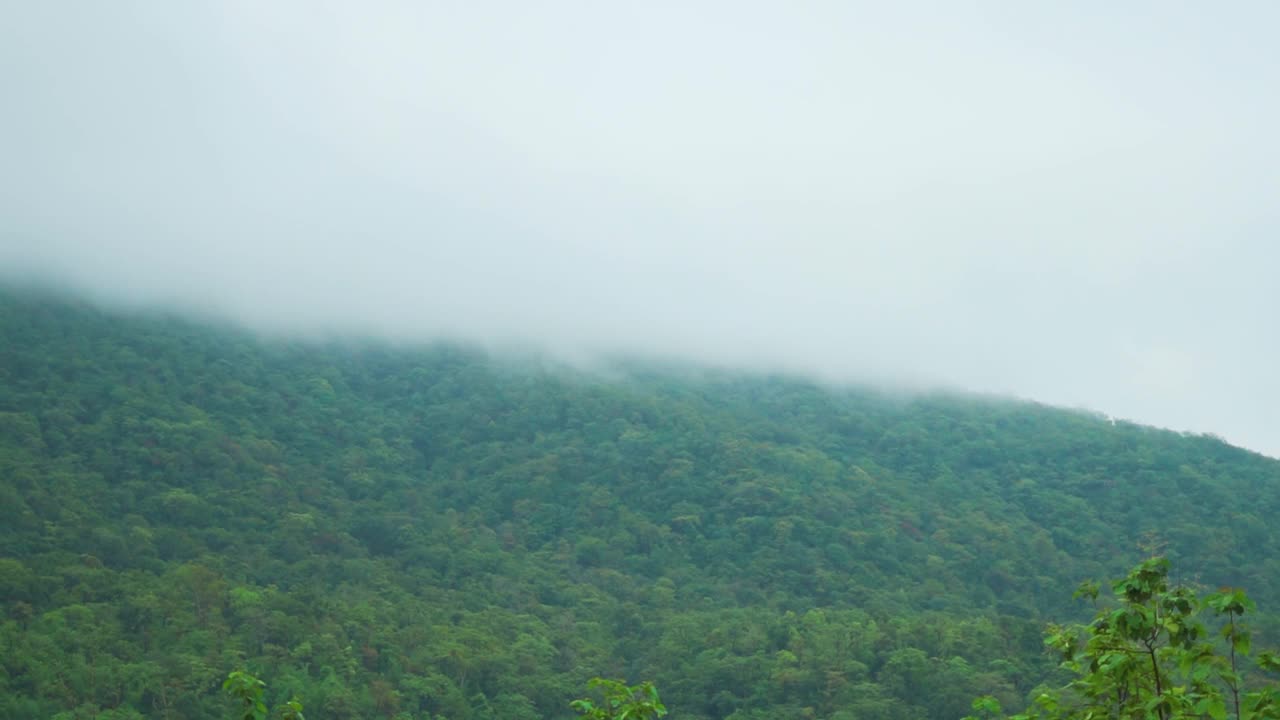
[{"x": 1074, "y": 204}]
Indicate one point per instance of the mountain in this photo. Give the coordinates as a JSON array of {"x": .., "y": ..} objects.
[{"x": 433, "y": 532}]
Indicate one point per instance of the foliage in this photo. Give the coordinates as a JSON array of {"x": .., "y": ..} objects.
[
  {"x": 248, "y": 690},
  {"x": 1148, "y": 657},
  {"x": 411, "y": 532},
  {"x": 621, "y": 702}
]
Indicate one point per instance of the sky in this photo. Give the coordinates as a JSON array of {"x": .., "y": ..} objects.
[{"x": 1076, "y": 203}]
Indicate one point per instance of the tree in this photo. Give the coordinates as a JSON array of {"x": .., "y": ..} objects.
[
  {"x": 1148, "y": 657},
  {"x": 248, "y": 690},
  {"x": 621, "y": 702}
]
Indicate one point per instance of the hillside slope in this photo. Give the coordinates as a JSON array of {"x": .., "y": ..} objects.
[{"x": 413, "y": 533}]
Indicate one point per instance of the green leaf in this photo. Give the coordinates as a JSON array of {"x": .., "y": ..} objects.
[
  {"x": 1269, "y": 661},
  {"x": 987, "y": 704},
  {"x": 1241, "y": 642}
]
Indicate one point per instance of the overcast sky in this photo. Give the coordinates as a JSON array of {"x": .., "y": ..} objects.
[{"x": 1074, "y": 202}]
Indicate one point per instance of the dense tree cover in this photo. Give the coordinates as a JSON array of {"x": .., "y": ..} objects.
[{"x": 433, "y": 533}]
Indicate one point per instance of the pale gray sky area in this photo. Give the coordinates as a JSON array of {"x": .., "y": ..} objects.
[{"x": 1074, "y": 202}]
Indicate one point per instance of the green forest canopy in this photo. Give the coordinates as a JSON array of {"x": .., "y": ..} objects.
[{"x": 432, "y": 532}]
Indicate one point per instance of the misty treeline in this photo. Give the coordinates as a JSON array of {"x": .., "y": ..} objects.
[{"x": 433, "y": 533}]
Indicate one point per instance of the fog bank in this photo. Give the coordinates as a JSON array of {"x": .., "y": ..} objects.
[{"x": 1072, "y": 204}]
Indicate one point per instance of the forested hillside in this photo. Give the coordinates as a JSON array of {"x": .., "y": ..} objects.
[{"x": 434, "y": 533}]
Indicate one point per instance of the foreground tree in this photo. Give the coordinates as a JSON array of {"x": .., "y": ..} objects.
[
  {"x": 248, "y": 690},
  {"x": 1149, "y": 657},
  {"x": 621, "y": 702}
]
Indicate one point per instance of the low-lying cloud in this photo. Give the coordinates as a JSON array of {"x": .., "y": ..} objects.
[{"x": 1074, "y": 204}]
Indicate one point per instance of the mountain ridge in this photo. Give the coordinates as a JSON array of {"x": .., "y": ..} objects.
[{"x": 386, "y": 530}]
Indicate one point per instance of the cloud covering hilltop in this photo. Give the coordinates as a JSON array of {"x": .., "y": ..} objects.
[{"x": 1074, "y": 204}]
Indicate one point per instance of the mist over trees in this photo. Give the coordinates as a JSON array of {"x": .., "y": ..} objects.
[{"x": 432, "y": 532}]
